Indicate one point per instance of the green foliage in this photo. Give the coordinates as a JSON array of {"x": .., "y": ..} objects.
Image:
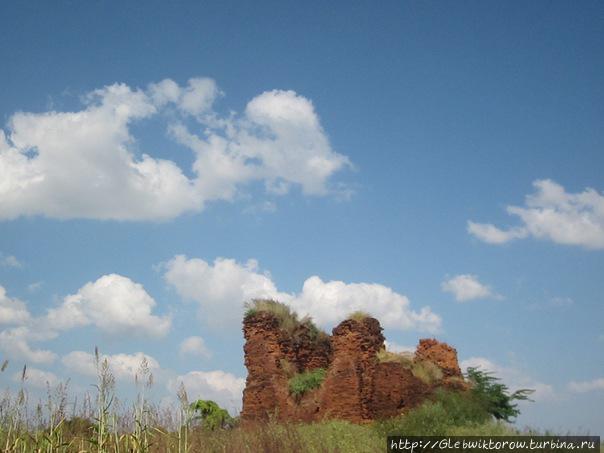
[
  {"x": 212, "y": 416},
  {"x": 440, "y": 416},
  {"x": 301, "y": 383},
  {"x": 495, "y": 396}
]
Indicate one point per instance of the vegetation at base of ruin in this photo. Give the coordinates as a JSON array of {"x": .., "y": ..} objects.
[
  {"x": 358, "y": 315},
  {"x": 495, "y": 396},
  {"x": 444, "y": 412},
  {"x": 288, "y": 319},
  {"x": 300, "y": 383},
  {"x": 426, "y": 371},
  {"x": 101, "y": 423}
]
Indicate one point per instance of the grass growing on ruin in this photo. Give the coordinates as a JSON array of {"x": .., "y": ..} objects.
[
  {"x": 426, "y": 371},
  {"x": 301, "y": 383},
  {"x": 404, "y": 358},
  {"x": 358, "y": 315},
  {"x": 288, "y": 319}
]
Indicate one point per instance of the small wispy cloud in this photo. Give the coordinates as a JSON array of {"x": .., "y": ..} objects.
[
  {"x": 514, "y": 377},
  {"x": 552, "y": 214},
  {"x": 398, "y": 348},
  {"x": 35, "y": 286},
  {"x": 586, "y": 386},
  {"x": 466, "y": 287},
  {"x": 10, "y": 261},
  {"x": 194, "y": 346}
]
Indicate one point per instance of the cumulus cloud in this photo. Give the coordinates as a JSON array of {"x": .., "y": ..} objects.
[
  {"x": 194, "y": 346},
  {"x": 37, "y": 378},
  {"x": 552, "y": 214},
  {"x": 222, "y": 288},
  {"x": 124, "y": 367},
  {"x": 83, "y": 164},
  {"x": 466, "y": 287},
  {"x": 224, "y": 388},
  {"x": 514, "y": 378},
  {"x": 586, "y": 386},
  {"x": 330, "y": 302},
  {"x": 112, "y": 303},
  {"x": 12, "y": 311},
  {"x": 14, "y": 343}
]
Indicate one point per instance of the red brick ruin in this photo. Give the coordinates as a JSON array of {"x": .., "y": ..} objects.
[{"x": 358, "y": 387}]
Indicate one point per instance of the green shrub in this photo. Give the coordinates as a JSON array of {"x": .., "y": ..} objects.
[
  {"x": 495, "y": 396},
  {"x": 212, "y": 416},
  {"x": 301, "y": 383},
  {"x": 444, "y": 413}
]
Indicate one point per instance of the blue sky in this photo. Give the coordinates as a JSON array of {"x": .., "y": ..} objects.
[{"x": 437, "y": 165}]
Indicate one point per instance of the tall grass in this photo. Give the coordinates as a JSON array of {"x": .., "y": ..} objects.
[{"x": 101, "y": 423}]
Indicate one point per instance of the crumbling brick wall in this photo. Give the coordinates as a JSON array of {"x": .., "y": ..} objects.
[{"x": 357, "y": 387}]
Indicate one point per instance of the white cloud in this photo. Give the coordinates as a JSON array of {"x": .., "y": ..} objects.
[
  {"x": 82, "y": 164},
  {"x": 194, "y": 346},
  {"x": 194, "y": 99},
  {"x": 552, "y": 213},
  {"x": 114, "y": 304},
  {"x": 493, "y": 235},
  {"x": 219, "y": 386},
  {"x": 35, "y": 286},
  {"x": 124, "y": 367},
  {"x": 466, "y": 287},
  {"x": 562, "y": 302},
  {"x": 12, "y": 311},
  {"x": 37, "y": 378},
  {"x": 14, "y": 341},
  {"x": 10, "y": 261},
  {"x": 514, "y": 378},
  {"x": 586, "y": 386},
  {"x": 330, "y": 302},
  {"x": 222, "y": 288},
  {"x": 15, "y": 344}
]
